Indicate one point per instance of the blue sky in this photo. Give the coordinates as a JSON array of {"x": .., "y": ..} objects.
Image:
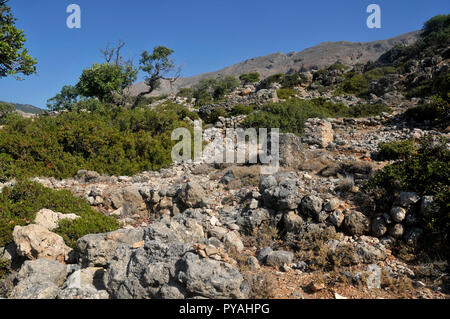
[{"x": 206, "y": 34}]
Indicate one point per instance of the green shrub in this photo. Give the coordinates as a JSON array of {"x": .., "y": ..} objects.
[
  {"x": 435, "y": 113},
  {"x": 426, "y": 172},
  {"x": 214, "y": 90},
  {"x": 242, "y": 109},
  {"x": 120, "y": 142},
  {"x": 291, "y": 115},
  {"x": 286, "y": 94},
  {"x": 216, "y": 113},
  {"x": 19, "y": 205},
  {"x": 397, "y": 150},
  {"x": 354, "y": 83},
  {"x": 247, "y": 78},
  {"x": 4, "y": 268},
  {"x": 287, "y": 81}
]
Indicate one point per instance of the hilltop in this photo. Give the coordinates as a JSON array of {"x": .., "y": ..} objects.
[{"x": 314, "y": 58}]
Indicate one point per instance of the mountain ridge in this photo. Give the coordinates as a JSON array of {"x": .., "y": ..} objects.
[{"x": 316, "y": 57}]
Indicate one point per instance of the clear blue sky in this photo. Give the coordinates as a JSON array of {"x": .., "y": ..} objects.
[{"x": 206, "y": 34}]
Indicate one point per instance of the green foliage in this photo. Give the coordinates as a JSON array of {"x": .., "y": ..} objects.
[
  {"x": 287, "y": 81},
  {"x": 187, "y": 93},
  {"x": 119, "y": 142},
  {"x": 426, "y": 172},
  {"x": 286, "y": 94},
  {"x": 213, "y": 90},
  {"x": 247, "y": 78},
  {"x": 437, "y": 27},
  {"x": 397, "y": 150},
  {"x": 157, "y": 66},
  {"x": 6, "y": 108},
  {"x": 19, "y": 205},
  {"x": 378, "y": 72},
  {"x": 102, "y": 80},
  {"x": 216, "y": 113},
  {"x": 64, "y": 100},
  {"x": 290, "y": 116},
  {"x": 436, "y": 113},
  {"x": 354, "y": 83},
  {"x": 14, "y": 58},
  {"x": 7, "y": 113},
  {"x": 242, "y": 109}
]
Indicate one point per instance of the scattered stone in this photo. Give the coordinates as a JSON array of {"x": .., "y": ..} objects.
[
  {"x": 357, "y": 223},
  {"x": 398, "y": 214},
  {"x": 279, "y": 258}
]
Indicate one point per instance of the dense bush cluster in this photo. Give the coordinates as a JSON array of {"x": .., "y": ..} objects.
[
  {"x": 290, "y": 116},
  {"x": 358, "y": 83},
  {"x": 20, "y": 203},
  {"x": 119, "y": 142},
  {"x": 214, "y": 90},
  {"x": 287, "y": 81},
  {"x": 426, "y": 172},
  {"x": 397, "y": 150},
  {"x": 247, "y": 78}
]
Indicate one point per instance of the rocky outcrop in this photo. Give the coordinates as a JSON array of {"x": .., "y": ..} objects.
[
  {"x": 50, "y": 220},
  {"x": 36, "y": 242},
  {"x": 39, "y": 279}
]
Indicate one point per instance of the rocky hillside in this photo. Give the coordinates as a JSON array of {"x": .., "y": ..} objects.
[
  {"x": 358, "y": 207},
  {"x": 27, "y": 108},
  {"x": 317, "y": 57}
]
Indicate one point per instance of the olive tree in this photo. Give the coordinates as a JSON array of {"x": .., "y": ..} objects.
[{"x": 157, "y": 66}]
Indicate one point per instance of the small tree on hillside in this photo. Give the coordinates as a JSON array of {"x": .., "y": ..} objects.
[
  {"x": 248, "y": 78},
  {"x": 14, "y": 58},
  {"x": 158, "y": 66}
]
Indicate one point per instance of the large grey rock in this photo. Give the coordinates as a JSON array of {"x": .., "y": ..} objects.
[
  {"x": 312, "y": 205},
  {"x": 291, "y": 150},
  {"x": 39, "y": 279},
  {"x": 210, "y": 278},
  {"x": 336, "y": 218},
  {"x": 179, "y": 228},
  {"x": 279, "y": 258},
  {"x": 379, "y": 227},
  {"x": 86, "y": 283},
  {"x": 284, "y": 196},
  {"x": 357, "y": 223},
  {"x": 170, "y": 270},
  {"x": 292, "y": 222},
  {"x": 35, "y": 242},
  {"x": 398, "y": 214},
  {"x": 129, "y": 198},
  {"x": 191, "y": 195},
  {"x": 318, "y": 132},
  {"x": 99, "y": 249},
  {"x": 406, "y": 199},
  {"x": 233, "y": 240},
  {"x": 263, "y": 253}
]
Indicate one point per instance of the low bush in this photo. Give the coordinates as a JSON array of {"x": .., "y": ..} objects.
[
  {"x": 286, "y": 94},
  {"x": 247, "y": 78},
  {"x": 433, "y": 113},
  {"x": 242, "y": 109},
  {"x": 118, "y": 142},
  {"x": 290, "y": 116},
  {"x": 20, "y": 203},
  {"x": 397, "y": 150},
  {"x": 426, "y": 172}
]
